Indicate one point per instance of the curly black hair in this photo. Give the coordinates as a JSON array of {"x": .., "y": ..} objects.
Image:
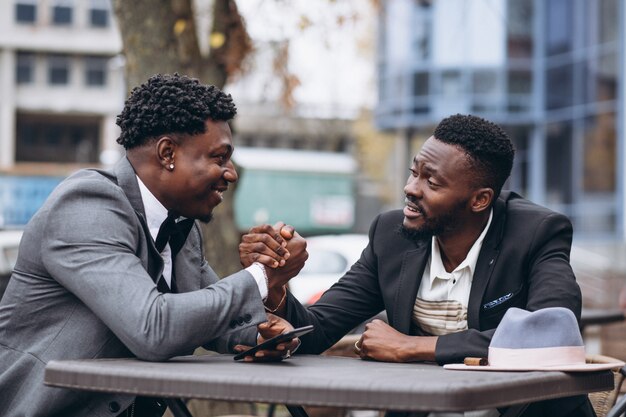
[
  {"x": 171, "y": 104},
  {"x": 488, "y": 147}
]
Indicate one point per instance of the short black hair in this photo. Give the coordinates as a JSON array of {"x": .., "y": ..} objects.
[
  {"x": 171, "y": 104},
  {"x": 488, "y": 147}
]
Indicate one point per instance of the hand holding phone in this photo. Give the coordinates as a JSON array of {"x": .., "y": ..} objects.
[{"x": 271, "y": 344}]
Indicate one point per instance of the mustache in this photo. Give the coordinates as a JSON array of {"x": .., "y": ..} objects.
[{"x": 408, "y": 199}]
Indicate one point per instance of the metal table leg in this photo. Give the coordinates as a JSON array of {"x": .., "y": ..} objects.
[
  {"x": 177, "y": 407},
  {"x": 296, "y": 411}
]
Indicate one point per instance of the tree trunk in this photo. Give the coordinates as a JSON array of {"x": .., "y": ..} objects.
[{"x": 159, "y": 36}]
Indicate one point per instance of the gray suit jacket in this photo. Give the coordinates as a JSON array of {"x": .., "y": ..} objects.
[{"x": 84, "y": 287}]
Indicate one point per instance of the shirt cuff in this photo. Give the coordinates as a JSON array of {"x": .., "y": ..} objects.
[{"x": 257, "y": 270}]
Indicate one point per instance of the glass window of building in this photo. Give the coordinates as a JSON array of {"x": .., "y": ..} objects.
[
  {"x": 520, "y": 82},
  {"x": 485, "y": 82},
  {"x": 608, "y": 26},
  {"x": 421, "y": 83},
  {"x": 559, "y": 87},
  {"x": 598, "y": 205},
  {"x": 606, "y": 78},
  {"x": 26, "y": 11},
  {"x": 43, "y": 138},
  {"x": 62, "y": 11},
  {"x": 25, "y": 68},
  {"x": 422, "y": 29},
  {"x": 558, "y": 166},
  {"x": 519, "y": 89},
  {"x": 520, "y": 15},
  {"x": 58, "y": 69},
  {"x": 559, "y": 26},
  {"x": 96, "y": 71},
  {"x": 518, "y": 181},
  {"x": 451, "y": 83},
  {"x": 99, "y": 13},
  {"x": 600, "y": 154}
]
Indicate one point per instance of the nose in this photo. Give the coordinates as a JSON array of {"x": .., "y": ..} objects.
[
  {"x": 230, "y": 173},
  {"x": 413, "y": 187}
]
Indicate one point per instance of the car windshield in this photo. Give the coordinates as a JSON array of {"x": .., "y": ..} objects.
[{"x": 324, "y": 262}]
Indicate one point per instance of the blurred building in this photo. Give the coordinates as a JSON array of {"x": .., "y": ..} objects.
[
  {"x": 550, "y": 71},
  {"x": 61, "y": 81},
  {"x": 62, "y": 85}
]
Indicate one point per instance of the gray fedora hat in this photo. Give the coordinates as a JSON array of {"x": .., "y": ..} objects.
[{"x": 544, "y": 340}]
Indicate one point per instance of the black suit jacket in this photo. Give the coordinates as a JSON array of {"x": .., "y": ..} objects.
[{"x": 523, "y": 262}]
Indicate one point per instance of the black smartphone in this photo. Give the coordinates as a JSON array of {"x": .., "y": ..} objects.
[{"x": 271, "y": 344}]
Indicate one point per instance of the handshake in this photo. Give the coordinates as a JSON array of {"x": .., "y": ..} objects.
[{"x": 283, "y": 253}]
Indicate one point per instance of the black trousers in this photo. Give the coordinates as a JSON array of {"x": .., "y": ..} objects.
[{"x": 145, "y": 407}]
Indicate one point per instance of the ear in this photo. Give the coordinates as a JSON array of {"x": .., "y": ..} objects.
[
  {"x": 166, "y": 151},
  {"x": 481, "y": 199}
]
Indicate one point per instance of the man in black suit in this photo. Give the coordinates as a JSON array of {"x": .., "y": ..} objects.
[{"x": 448, "y": 266}]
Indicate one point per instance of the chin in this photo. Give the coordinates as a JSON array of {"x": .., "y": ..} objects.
[
  {"x": 415, "y": 234},
  {"x": 206, "y": 218}
]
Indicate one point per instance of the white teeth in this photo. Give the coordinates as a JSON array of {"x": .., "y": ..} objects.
[{"x": 411, "y": 208}]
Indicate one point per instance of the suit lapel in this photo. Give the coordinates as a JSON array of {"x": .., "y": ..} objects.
[
  {"x": 127, "y": 180},
  {"x": 486, "y": 262},
  {"x": 413, "y": 265}
]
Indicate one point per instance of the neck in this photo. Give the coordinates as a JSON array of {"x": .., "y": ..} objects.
[
  {"x": 151, "y": 176},
  {"x": 455, "y": 245}
]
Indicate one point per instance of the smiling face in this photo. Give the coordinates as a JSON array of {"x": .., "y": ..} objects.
[
  {"x": 439, "y": 191},
  {"x": 202, "y": 171}
]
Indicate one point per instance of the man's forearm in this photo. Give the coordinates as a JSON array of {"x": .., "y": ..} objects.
[{"x": 275, "y": 301}]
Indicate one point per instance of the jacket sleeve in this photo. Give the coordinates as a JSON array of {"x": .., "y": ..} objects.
[
  {"x": 91, "y": 246},
  {"x": 349, "y": 302},
  {"x": 547, "y": 277}
]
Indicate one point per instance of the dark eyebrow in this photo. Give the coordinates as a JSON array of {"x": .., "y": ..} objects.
[{"x": 425, "y": 166}]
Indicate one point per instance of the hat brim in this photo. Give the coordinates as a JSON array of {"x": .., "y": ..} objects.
[{"x": 588, "y": 367}]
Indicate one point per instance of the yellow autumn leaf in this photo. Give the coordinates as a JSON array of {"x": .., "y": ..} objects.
[
  {"x": 179, "y": 26},
  {"x": 217, "y": 39}
]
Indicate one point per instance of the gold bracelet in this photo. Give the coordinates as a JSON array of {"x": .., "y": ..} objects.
[{"x": 280, "y": 303}]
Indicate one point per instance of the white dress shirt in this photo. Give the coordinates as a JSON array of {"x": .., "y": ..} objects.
[
  {"x": 156, "y": 214},
  {"x": 441, "y": 303},
  {"x": 442, "y": 299}
]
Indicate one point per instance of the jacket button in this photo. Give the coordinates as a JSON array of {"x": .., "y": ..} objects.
[
  {"x": 232, "y": 324},
  {"x": 247, "y": 318},
  {"x": 240, "y": 321},
  {"x": 114, "y": 406}
]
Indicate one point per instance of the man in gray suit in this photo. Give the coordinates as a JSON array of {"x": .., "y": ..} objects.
[{"x": 112, "y": 264}]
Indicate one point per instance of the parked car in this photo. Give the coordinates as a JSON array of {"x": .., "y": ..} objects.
[
  {"x": 330, "y": 256},
  {"x": 9, "y": 243}
]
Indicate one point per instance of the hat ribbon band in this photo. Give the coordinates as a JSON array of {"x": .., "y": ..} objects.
[{"x": 537, "y": 357}]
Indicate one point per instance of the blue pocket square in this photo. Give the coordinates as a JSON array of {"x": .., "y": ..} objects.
[{"x": 497, "y": 301}]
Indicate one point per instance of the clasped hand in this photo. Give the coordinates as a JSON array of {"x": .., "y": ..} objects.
[{"x": 280, "y": 248}]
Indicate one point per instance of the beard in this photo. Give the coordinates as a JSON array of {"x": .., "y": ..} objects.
[
  {"x": 433, "y": 225},
  {"x": 206, "y": 219}
]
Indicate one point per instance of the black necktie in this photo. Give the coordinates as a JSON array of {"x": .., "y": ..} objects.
[{"x": 176, "y": 234}]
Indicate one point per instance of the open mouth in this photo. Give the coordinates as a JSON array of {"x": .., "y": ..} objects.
[
  {"x": 412, "y": 210},
  {"x": 412, "y": 207},
  {"x": 219, "y": 192}
]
